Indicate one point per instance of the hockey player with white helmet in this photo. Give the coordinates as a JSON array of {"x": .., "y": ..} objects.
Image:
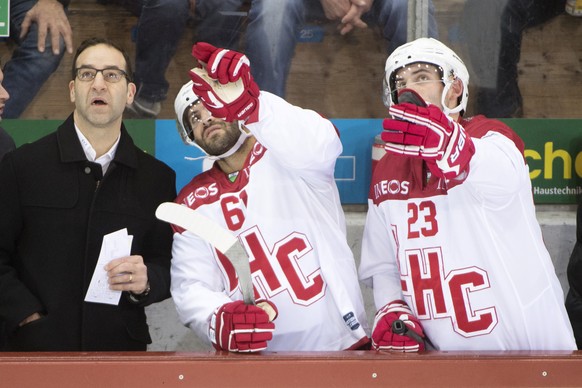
[
  {"x": 271, "y": 184},
  {"x": 451, "y": 246},
  {"x": 185, "y": 100},
  {"x": 427, "y": 51}
]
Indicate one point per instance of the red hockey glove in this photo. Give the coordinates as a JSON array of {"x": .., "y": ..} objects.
[
  {"x": 238, "y": 327},
  {"x": 226, "y": 87},
  {"x": 202, "y": 51},
  {"x": 222, "y": 64},
  {"x": 383, "y": 336},
  {"x": 428, "y": 133}
]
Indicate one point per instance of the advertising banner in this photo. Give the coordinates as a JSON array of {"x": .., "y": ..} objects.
[{"x": 553, "y": 150}]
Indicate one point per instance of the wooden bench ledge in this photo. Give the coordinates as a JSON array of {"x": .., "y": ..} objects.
[{"x": 314, "y": 369}]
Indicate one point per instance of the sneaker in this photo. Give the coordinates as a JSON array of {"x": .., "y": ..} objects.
[{"x": 144, "y": 109}]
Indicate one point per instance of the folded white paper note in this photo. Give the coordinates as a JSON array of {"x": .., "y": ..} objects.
[{"x": 114, "y": 246}]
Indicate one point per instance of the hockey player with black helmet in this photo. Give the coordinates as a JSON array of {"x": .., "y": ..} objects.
[{"x": 451, "y": 244}]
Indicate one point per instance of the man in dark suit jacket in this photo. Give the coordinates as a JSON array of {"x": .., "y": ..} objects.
[
  {"x": 6, "y": 142},
  {"x": 59, "y": 196}
]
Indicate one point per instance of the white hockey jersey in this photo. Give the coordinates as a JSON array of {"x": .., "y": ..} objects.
[
  {"x": 284, "y": 206},
  {"x": 468, "y": 257}
]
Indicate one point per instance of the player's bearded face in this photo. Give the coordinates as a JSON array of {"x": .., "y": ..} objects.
[
  {"x": 217, "y": 136},
  {"x": 214, "y": 136}
]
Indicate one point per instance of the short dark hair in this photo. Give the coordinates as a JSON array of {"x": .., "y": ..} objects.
[{"x": 94, "y": 42}]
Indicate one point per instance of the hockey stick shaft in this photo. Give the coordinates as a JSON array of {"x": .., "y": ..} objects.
[{"x": 217, "y": 236}]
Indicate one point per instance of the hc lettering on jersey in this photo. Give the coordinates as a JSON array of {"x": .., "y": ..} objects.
[
  {"x": 282, "y": 268},
  {"x": 434, "y": 295}
]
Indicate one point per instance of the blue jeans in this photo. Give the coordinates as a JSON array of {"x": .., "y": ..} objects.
[
  {"x": 160, "y": 27},
  {"x": 28, "y": 69},
  {"x": 159, "y": 30},
  {"x": 271, "y": 34}
]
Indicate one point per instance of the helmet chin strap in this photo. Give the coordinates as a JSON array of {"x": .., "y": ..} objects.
[
  {"x": 446, "y": 110},
  {"x": 241, "y": 139}
]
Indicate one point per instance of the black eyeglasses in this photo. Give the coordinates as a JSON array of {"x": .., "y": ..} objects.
[{"x": 110, "y": 74}]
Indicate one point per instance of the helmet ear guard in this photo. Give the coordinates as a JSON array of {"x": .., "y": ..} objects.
[
  {"x": 184, "y": 100},
  {"x": 430, "y": 51}
]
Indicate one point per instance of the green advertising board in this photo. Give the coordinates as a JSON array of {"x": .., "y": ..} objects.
[
  {"x": 4, "y": 18},
  {"x": 553, "y": 150},
  {"x": 26, "y": 131}
]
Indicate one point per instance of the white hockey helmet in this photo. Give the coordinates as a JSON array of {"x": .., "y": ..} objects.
[
  {"x": 184, "y": 100},
  {"x": 427, "y": 50}
]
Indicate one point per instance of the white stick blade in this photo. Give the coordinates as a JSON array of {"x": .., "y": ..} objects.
[{"x": 198, "y": 224}]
